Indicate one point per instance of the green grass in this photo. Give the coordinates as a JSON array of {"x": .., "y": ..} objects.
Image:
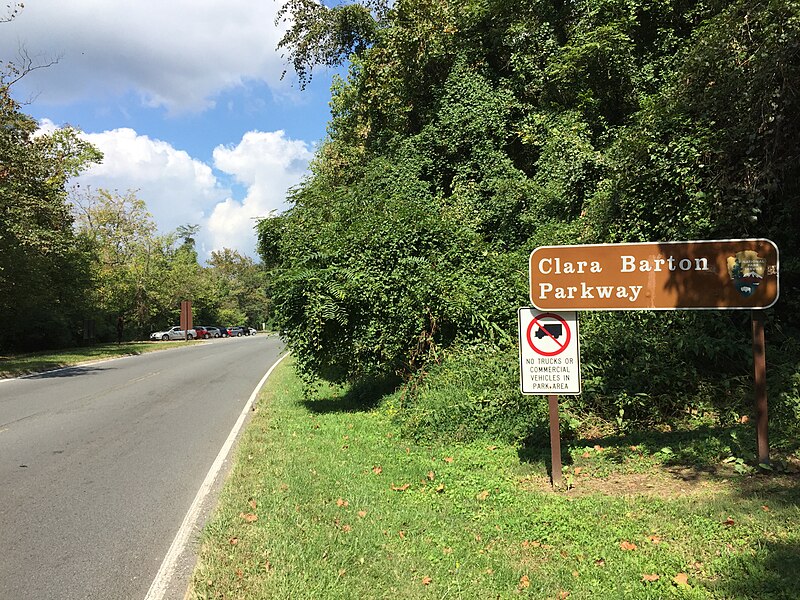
[
  {"x": 36, "y": 362},
  {"x": 327, "y": 500}
]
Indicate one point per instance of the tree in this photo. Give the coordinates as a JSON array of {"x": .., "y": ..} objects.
[
  {"x": 43, "y": 268},
  {"x": 239, "y": 284},
  {"x": 132, "y": 263},
  {"x": 319, "y": 35}
]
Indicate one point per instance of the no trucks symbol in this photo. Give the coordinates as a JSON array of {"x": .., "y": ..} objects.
[{"x": 548, "y": 334}]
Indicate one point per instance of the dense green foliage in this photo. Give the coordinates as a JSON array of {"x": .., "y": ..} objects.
[
  {"x": 468, "y": 133},
  {"x": 44, "y": 274}
]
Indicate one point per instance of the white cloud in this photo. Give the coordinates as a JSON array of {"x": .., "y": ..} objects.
[
  {"x": 176, "y": 188},
  {"x": 268, "y": 164},
  {"x": 179, "y": 189},
  {"x": 177, "y": 54}
]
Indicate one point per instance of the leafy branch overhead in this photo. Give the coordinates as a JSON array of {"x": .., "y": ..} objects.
[{"x": 318, "y": 35}]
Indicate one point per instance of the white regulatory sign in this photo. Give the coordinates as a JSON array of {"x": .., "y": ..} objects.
[{"x": 549, "y": 355}]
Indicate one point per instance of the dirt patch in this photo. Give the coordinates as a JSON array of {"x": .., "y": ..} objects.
[{"x": 673, "y": 482}]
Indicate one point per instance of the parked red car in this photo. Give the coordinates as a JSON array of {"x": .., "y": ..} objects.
[{"x": 202, "y": 332}]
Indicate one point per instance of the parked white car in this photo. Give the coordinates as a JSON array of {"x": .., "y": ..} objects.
[{"x": 176, "y": 333}]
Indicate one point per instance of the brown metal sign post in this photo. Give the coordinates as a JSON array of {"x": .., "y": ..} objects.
[
  {"x": 555, "y": 441},
  {"x": 760, "y": 379},
  {"x": 186, "y": 318}
]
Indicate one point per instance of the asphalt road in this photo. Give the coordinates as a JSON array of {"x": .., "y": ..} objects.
[{"x": 99, "y": 464}]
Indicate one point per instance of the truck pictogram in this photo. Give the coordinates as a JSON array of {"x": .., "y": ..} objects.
[{"x": 554, "y": 329}]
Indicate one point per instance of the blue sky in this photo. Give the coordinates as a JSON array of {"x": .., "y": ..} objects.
[{"x": 184, "y": 98}]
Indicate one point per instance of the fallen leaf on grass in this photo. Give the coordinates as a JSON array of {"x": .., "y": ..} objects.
[
  {"x": 440, "y": 488},
  {"x": 626, "y": 545},
  {"x": 402, "y": 534},
  {"x": 426, "y": 580},
  {"x": 490, "y": 448},
  {"x": 482, "y": 495},
  {"x": 249, "y": 517},
  {"x": 563, "y": 595},
  {"x": 377, "y": 470},
  {"x": 744, "y": 419},
  {"x": 267, "y": 565},
  {"x": 342, "y": 573},
  {"x": 347, "y": 528},
  {"x": 765, "y": 508},
  {"x": 654, "y": 539},
  {"x": 233, "y": 541},
  {"x": 239, "y": 573},
  {"x": 401, "y": 488},
  {"x": 600, "y": 562},
  {"x": 576, "y": 574},
  {"x": 448, "y": 459},
  {"x": 340, "y": 502},
  {"x": 531, "y": 544},
  {"x": 253, "y": 504},
  {"x": 598, "y": 448},
  {"x": 681, "y": 579},
  {"x": 577, "y": 470},
  {"x": 362, "y": 513},
  {"x": 650, "y": 578},
  {"x": 729, "y": 522},
  {"x": 586, "y": 455},
  {"x": 524, "y": 582},
  {"x": 431, "y": 475},
  {"x": 447, "y": 550}
]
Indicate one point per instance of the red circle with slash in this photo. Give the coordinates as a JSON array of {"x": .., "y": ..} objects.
[{"x": 536, "y": 321}]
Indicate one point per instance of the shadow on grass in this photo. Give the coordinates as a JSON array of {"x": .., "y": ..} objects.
[
  {"x": 701, "y": 448},
  {"x": 359, "y": 397},
  {"x": 770, "y": 574}
]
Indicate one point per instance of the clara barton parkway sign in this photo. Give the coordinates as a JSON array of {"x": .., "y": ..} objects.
[{"x": 719, "y": 274}]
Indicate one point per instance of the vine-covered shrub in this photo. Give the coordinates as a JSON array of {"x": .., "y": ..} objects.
[{"x": 473, "y": 393}]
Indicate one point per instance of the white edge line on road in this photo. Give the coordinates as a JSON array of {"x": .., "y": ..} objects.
[{"x": 160, "y": 584}]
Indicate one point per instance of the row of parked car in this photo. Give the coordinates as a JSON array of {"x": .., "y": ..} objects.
[{"x": 201, "y": 332}]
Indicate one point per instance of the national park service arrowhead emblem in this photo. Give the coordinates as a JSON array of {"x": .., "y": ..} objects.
[{"x": 747, "y": 270}]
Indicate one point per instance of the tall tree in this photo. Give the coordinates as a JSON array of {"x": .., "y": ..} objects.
[
  {"x": 43, "y": 268},
  {"x": 132, "y": 260}
]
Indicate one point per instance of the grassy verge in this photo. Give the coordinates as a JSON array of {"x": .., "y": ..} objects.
[
  {"x": 36, "y": 362},
  {"x": 326, "y": 500}
]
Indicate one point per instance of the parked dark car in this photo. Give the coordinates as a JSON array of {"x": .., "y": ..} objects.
[
  {"x": 213, "y": 332},
  {"x": 236, "y": 331},
  {"x": 223, "y": 331}
]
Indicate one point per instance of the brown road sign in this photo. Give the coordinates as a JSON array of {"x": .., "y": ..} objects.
[{"x": 717, "y": 274}]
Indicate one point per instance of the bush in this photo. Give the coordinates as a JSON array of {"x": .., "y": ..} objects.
[{"x": 471, "y": 394}]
